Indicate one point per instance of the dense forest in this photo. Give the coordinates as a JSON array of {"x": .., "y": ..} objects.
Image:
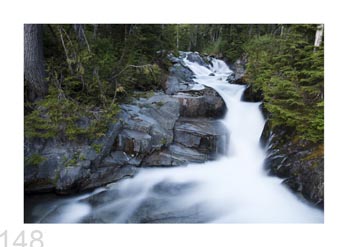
[{"x": 72, "y": 71}]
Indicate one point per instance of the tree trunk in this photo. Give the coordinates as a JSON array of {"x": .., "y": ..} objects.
[
  {"x": 80, "y": 33},
  {"x": 177, "y": 37},
  {"x": 95, "y": 30},
  {"x": 34, "y": 71},
  {"x": 282, "y": 28},
  {"x": 318, "y": 36}
]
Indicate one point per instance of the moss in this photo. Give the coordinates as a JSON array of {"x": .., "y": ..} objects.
[
  {"x": 82, "y": 157},
  {"x": 314, "y": 165},
  {"x": 317, "y": 153},
  {"x": 73, "y": 161},
  {"x": 56, "y": 178},
  {"x": 176, "y": 53},
  {"x": 160, "y": 103},
  {"x": 97, "y": 147},
  {"x": 163, "y": 141},
  {"x": 34, "y": 160},
  {"x": 147, "y": 94},
  {"x": 56, "y": 117}
]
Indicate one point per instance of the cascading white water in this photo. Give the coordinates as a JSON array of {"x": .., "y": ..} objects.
[
  {"x": 248, "y": 193},
  {"x": 233, "y": 189}
]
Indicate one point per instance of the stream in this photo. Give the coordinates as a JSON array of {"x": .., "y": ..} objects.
[{"x": 232, "y": 189}]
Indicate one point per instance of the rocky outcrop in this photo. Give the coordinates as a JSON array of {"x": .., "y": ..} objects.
[
  {"x": 206, "y": 104},
  {"x": 144, "y": 127},
  {"x": 205, "y": 135},
  {"x": 299, "y": 163},
  {"x": 238, "y": 77},
  {"x": 239, "y": 69},
  {"x": 182, "y": 72},
  {"x": 174, "y": 155},
  {"x": 195, "y": 141},
  {"x": 195, "y": 57},
  {"x": 173, "y": 128},
  {"x": 250, "y": 95}
]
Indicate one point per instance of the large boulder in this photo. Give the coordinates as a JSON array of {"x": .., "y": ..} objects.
[
  {"x": 239, "y": 70},
  {"x": 201, "y": 103},
  {"x": 173, "y": 85},
  {"x": 182, "y": 72},
  {"x": 205, "y": 135},
  {"x": 148, "y": 126},
  {"x": 195, "y": 57},
  {"x": 195, "y": 141}
]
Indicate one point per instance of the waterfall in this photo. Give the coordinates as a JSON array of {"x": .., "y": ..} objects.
[{"x": 233, "y": 189}]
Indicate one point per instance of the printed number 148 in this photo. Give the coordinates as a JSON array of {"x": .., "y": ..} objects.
[{"x": 35, "y": 239}]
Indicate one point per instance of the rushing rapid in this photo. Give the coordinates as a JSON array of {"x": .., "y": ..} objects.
[{"x": 233, "y": 189}]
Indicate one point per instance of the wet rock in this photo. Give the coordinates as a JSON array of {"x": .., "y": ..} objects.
[
  {"x": 251, "y": 95},
  {"x": 173, "y": 86},
  {"x": 107, "y": 174},
  {"x": 42, "y": 177},
  {"x": 150, "y": 126},
  {"x": 181, "y": 72},
  {"x": 173, "y": 189},
  {"x": 131, "y": 141},
  {"x": 160, "y": 210},
  {"x": 231, "y": 78},
  {"x": 69, "y": 178},
  {"x": 201, "y": 103},
  {"x": 106, "y": 142},
  {"x": 195, "y": 57},
  {"x": 299, "y": 162},
  {"x": 206, "y": 136},
  {"x": 239, "y": 70},
  {"x": 117, "y": 158},
  {"x": 174, "y": 155},
  {"x": 173, "y": 59}
]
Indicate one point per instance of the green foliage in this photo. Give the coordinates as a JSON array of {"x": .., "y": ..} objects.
[
  {"x": 290, "y": 73},
  {"x": 214, "y": 48},
  {"x": 91, "y": 71},
  {"x": 34, "y": 160},
  {"x": 58, "y": 117},
  {"x": 316, "y": 153},
  {"x": 144, "y": 77},
  {"x": 107, "y": 63},
  {"x": 97, "y": 147},
  {"x": 74, "y": 160},
  {"x": 160, "y": 103},
  {"x": 141, "y": 94},
  {"x": 163, "y": 141}
]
